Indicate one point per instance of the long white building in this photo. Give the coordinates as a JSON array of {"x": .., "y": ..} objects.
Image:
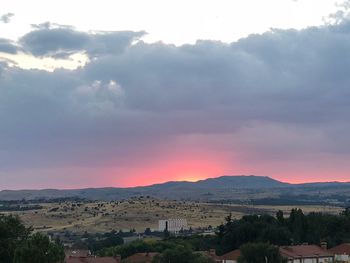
[{"x": 173, "y": 225}]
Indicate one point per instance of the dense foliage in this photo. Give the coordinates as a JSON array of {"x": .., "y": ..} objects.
[
  {"x": 260, "y": 253},
  {"x": 296, "y": 229},
  {"x": 38, "y": 249},
  {"x": 139, "y": 246},
  {"x": 252, "y": 228},
  {"x": 12, "y": 232},
  {"x": 181, "y": 254},
  {"x": 111, "y": 239},
  {"x": 18, "y": 245}
]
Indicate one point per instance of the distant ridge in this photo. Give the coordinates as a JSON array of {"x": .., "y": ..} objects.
[
  {"x": 223, "y": 187},
  {"x": 242, "y": 181},
  {"x": 225, "y": 182}
]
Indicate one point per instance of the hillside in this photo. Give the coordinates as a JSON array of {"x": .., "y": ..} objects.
[{"x": 212, "y": 189}]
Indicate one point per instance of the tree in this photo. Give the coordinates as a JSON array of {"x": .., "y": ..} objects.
[
  {"x": 148, "y": 231},
  {"x": 260, "y": 253},
  {"x": 111, "y": 240},
  {"x": 181, "y": 254},
  {"x": 12, "y": 233},
  {"x": 166, "y": 233},
  {"x": 346, "y": 212},
  {"x": 298, "y": 225},
  {"x": 251, "y": 228},
  {"x": 38, "y": 249},
  {"x": 280, "y": 217}
]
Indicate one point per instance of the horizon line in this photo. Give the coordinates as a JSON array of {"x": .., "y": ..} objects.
[{"x": 172, "y": 181}]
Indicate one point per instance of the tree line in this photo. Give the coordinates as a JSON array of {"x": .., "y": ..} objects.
[
  {"x": 296, "y": 229},
  {"x": 258, "y": 235}
]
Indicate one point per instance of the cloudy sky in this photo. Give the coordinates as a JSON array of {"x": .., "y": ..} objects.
[{"x": 124, "y": 93}]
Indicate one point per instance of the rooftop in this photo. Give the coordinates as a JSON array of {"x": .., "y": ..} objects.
[
  {"x": 341, "y": 249},
  {"x": 232, "y": 255},
  {"x": 92, "y": 260},
  {"x": 304, "y": 251},
  {"x": 141, "y": 257}
]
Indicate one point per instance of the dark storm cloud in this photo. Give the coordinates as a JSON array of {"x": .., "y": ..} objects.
[
  {"x": 62, "y": 41},
  {"x": 7, "y": 46},
  {"x": 6, "y": 18},
  {"x": 132, "y": 97}
]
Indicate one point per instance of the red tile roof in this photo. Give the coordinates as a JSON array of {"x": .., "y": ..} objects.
[
  {"x": 91, "y": 260},
  {"x": 141, "y": 257},
  {"x": 304, "y": 251},
  {"x": 343, "y": 249},
  {"x": 232, "y": 255}
]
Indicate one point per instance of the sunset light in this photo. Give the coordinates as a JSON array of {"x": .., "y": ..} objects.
[
  {"x": 123, "y": 97},
  {"x": 163, "y": 131}
]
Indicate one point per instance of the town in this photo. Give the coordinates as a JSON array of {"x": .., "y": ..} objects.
[{"x": 281, "y": 237}]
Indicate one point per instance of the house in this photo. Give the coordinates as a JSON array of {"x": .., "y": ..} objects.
[
  {"x": 341, "y": 253},
  {"x": 230, "y": 257},
  {"x": 141, "y": 257},
  {"x": 93, "y": 260},
  {"x": 306, "y": 254}
]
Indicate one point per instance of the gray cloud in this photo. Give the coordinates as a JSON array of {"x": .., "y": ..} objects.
[
  {"x": 63, "y": 41},
  {"x": 7, "y": 46},
  {"x": 49, "y": 25},
  {"x": 262, "y": 92},
  {"x": 6, "y": 18}
]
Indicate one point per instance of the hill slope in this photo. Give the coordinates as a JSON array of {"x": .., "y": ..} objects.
[{"x": 220, "y": 188}]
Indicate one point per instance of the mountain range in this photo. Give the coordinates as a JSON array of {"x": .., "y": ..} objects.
[{"x": 224, "y": 188}]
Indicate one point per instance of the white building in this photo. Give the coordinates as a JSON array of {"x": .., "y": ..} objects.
[{"x": 172, "y": 225}]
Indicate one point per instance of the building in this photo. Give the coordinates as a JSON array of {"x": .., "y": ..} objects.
[
  {"x": 172, "y": 225},
  {"x": 341, "y": 253},
  {"x": 306, "y": 254},
  {"x": 84, "y": 256},
  {"x": 141, "y": 257},
  {"x": 93, "y": 260},
  {"x": 230, "y": 257}
]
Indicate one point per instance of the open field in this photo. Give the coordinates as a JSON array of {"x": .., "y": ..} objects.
[{"x": 141, "y": 213}]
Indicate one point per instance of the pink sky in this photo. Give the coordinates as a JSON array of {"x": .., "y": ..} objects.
[{"x": 272, "y": 104}]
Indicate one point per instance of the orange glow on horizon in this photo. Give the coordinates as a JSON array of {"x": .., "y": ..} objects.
[
  {"x": 185, "y": 162},
  {"x": 192, "y": 177},
  {"x": 184, "y": 167}
]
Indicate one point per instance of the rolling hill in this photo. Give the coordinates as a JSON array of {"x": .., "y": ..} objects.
[{"x": 211, "y": 189}]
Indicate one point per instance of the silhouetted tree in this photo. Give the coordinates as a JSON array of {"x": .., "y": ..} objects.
[
  {"x": 280, "y": 217},
  {"x": 260, "y": 253},
  {"x": 181, "y": 254},
  {"x": 12, "y": 234},
  {"x": 298, "y": 225},
  {"x": 38, "y": 249}
]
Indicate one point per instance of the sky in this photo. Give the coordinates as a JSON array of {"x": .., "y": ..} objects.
[{"x": 125, "y": 93}]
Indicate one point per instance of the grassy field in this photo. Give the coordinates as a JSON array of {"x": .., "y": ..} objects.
[{"x": 141, "y": 213}]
